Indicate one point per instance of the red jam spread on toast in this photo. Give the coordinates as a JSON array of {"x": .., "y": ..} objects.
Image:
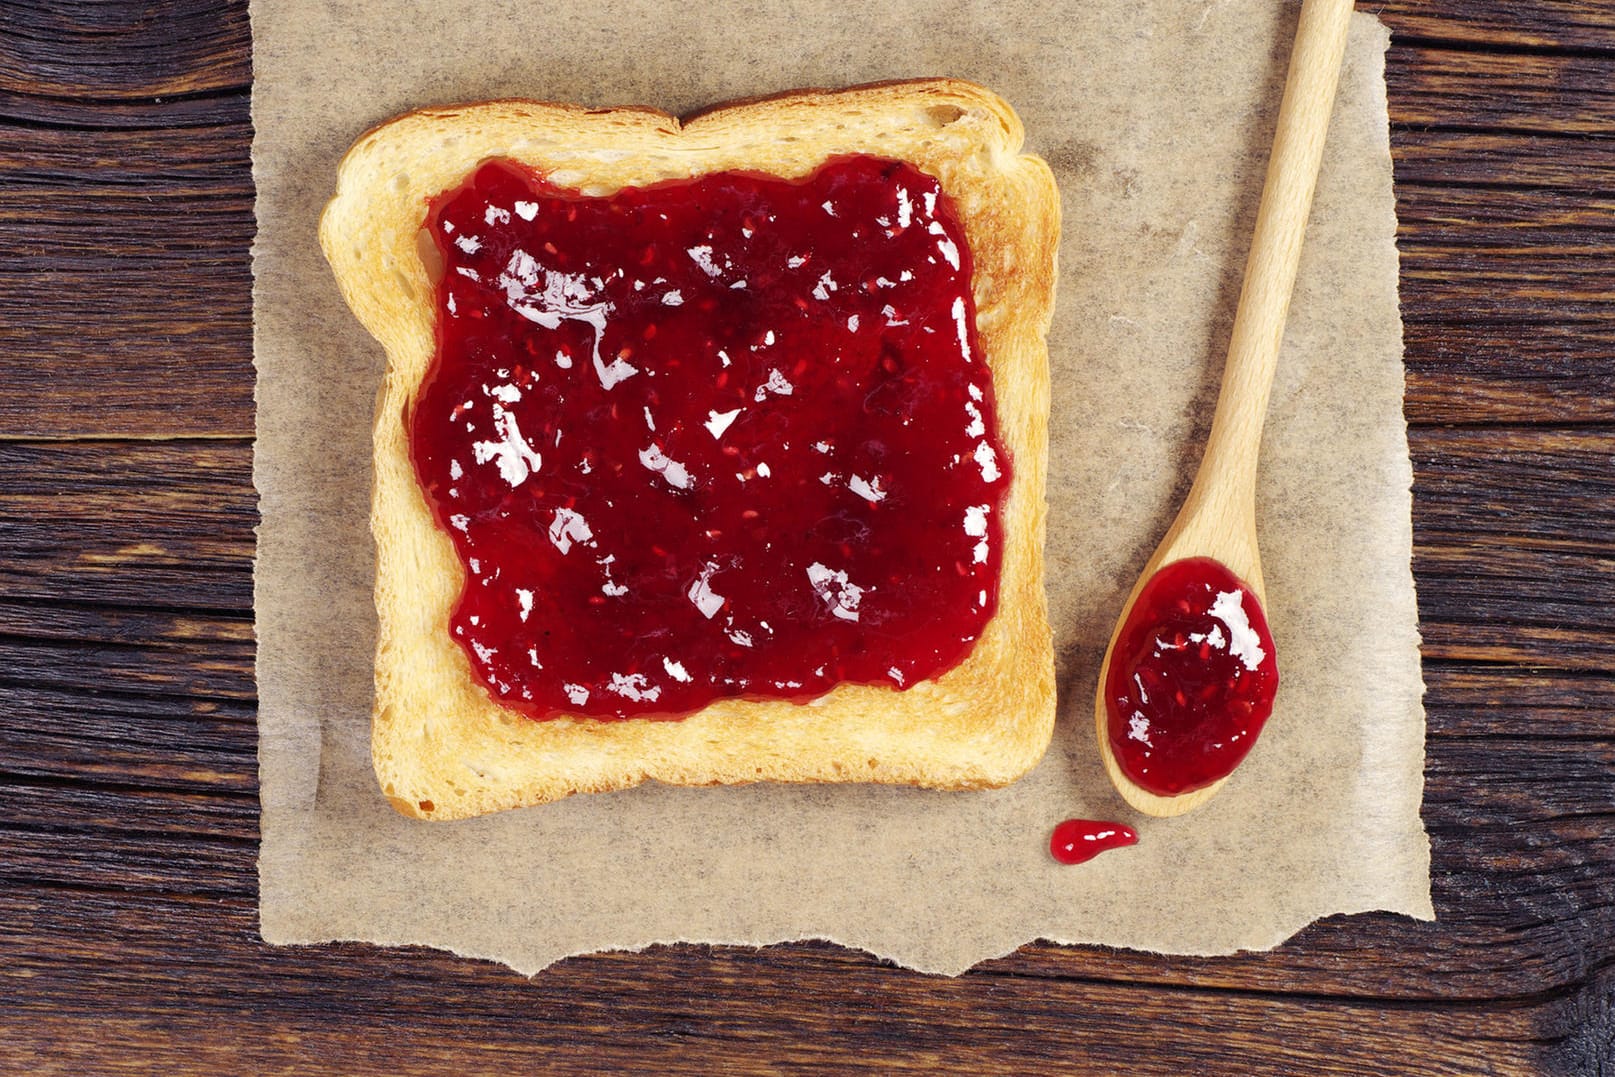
[
  {"x": 1077, "y": 841},
  {"x": 1191, "y": 680},
  {"x": 730, "y": 436}
]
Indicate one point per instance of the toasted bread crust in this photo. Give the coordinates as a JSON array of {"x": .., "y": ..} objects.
[{"x": 443, "y": 747}]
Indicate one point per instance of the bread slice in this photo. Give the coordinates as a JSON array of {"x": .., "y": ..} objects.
[{"x": 443, "y": 747}]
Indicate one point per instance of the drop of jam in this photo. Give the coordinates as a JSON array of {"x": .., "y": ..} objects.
[
  {"x": 1077, "y": 841},
  {"x": 723, "y": 437},
  {"x": 1191, "y": 679}
]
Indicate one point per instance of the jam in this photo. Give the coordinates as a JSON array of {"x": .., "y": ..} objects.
[
  {"x": 1076, "y": 841},
  {"x": 1191, "y": 680},
  {"x": 723, "y": 437}
]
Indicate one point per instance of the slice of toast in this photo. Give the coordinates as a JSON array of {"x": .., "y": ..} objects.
[{"x": 443, "y": 747}]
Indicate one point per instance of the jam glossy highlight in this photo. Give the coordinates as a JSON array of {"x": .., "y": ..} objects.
[
  {"x": 1191, "y": 679},
  {"x": 723, "y": 437}
]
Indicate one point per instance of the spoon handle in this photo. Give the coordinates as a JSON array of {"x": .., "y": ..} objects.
[{"x": 1264, "y": 301}]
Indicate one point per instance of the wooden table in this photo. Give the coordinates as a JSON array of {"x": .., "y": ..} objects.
[{"x": 128, "y": 801}]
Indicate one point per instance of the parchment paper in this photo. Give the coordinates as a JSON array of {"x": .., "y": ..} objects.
[{"x": 1156, "y": 117}]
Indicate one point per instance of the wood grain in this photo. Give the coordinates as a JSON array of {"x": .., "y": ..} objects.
[
  {"x": 1518, "y": 26},
  {"x": 128, "y": 810}
]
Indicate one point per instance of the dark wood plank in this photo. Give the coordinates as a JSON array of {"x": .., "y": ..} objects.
[
  {"x": 134, "y": 651},
  {"x": 1568, "y": 25},
  {"x": 99, "y": 739},
  {"x": 1539, "y": 93},
  {"x": 92, "y": 49},
  {"x": 1550, "y": 632},
  {"x": 1509, "y": 374},
  {"x": 160, "y": 523},
  {"x": 1512, "y": 547},
  {"x": 1429, "y": 156},
  {"x": 126, "y": 215},
  {"x": 146, "y": 292},
  {"x": 1529, "y": 488},
  {"x": 1477, "y": 700},
  {"x": 1478, "y": 257},
  {"x": 207, "y": 163},
  {"x": 73, "y": 117}
]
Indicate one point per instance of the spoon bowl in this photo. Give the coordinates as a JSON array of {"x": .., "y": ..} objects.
[{"x": 1216, "y": 521}]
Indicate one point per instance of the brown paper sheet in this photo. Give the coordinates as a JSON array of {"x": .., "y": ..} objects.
[{"x": 1156, "y": 117}]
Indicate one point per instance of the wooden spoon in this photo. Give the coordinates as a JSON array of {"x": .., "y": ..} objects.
[{"x": 1218, "y": 518}]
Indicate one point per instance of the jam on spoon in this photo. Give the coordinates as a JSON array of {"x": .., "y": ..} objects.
[{"x": 1191, "y": 678}]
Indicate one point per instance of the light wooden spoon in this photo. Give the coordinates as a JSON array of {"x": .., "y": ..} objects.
[{"x": 1218, "y": 518}]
